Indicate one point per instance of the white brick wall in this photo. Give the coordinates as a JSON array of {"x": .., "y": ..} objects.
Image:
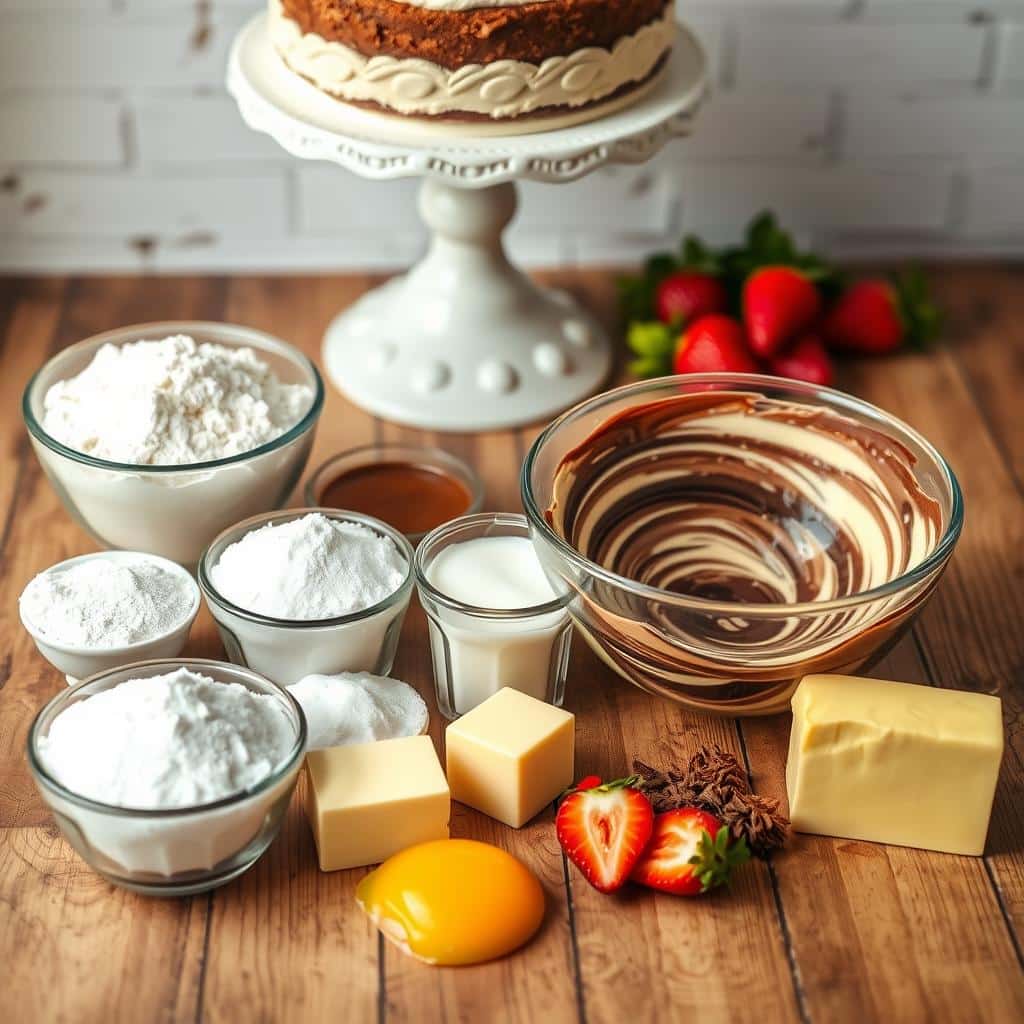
[{"x": 874, "y": 127}]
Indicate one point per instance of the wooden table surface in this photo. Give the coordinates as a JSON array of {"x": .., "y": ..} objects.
[{"x": 830, "y": 930}]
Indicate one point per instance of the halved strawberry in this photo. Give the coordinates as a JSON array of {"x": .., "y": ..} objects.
[
  {"x": 604, "y": 830},
  {"x": 690, "y": 852}
]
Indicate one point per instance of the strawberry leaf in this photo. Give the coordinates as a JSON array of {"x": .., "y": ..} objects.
[
  {"x": 716, "y": 858},
  {"x": 700, "y": 258},
  {"x": 921, "y": 319}
]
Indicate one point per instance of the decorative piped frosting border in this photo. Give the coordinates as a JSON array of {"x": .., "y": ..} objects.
[{"x": 503, "y": 89}]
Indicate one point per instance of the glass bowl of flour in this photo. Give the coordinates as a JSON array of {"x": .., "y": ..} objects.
[
  {"x": 169, "y": 777},
  {"x": 158, "y": 436}
]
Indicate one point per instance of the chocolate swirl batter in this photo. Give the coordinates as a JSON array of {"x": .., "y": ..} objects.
[{"x": 736, "y": 497}]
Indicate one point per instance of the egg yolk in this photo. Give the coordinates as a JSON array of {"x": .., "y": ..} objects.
[{"x": 454, "y": 901}]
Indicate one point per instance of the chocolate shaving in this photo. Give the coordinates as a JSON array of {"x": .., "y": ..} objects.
[{"x": 715, "y": 782}]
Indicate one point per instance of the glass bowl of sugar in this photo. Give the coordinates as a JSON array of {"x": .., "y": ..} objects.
[
  {"x": 195, "y": 762},
  {"x": 158, "y": 436}
]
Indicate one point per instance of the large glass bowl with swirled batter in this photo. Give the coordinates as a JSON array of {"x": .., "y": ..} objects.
[{"x": 723, "y": 535}]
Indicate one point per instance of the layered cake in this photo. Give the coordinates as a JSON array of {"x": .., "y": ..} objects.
[{"x": 477, "y": 60}]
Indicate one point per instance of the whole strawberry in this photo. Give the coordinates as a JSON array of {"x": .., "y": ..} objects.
[
  {"x": 778, "y": 304},
  {"x": 875, "y": 316},
  {"x": 711, "y": 344},
  {"x": 806, "y": 359},
  {"x": 688, "y": 294}
]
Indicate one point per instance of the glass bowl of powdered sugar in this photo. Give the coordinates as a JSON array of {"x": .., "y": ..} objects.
[
  {"x": 158, "y": 436},
  {"x": 169, "y": 777},
  {"x": 309, "y": 591}
]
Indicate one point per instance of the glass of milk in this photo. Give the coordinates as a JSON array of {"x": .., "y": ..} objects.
[{"x": 495, "y": 618}]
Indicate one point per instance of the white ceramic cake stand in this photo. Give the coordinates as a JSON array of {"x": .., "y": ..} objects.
[{"x": 464, "y": 340}]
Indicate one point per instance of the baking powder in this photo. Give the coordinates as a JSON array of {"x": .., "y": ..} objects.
[
  {"x": 105, "y": 602},
  {"x": 309, "y": 568},
  {"x": 358, "y": 708},
  {"x": 172, "y": 402},
  {"x": 175, "y": 740}
]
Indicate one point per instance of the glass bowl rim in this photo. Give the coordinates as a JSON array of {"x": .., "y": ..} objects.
[
  {"x": 429, "y": 453},
  {"x": 288, "y": 763},
  {"x": 556, "y": 604},
  {"x": 106, "y": 652},
  {"x": 246, "y": 337},
  {"x": 839, "y": 400},
  {"x": 214, "y": 596}
]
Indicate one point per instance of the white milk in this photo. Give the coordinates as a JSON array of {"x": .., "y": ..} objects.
[{"x": 475, "y": 655}]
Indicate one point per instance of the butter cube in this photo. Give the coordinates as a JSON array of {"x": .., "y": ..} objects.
[
  {"x": 510, "y": 756},
  {"x": 893, "y": 763},
  {"x": 371, "y": 800}
]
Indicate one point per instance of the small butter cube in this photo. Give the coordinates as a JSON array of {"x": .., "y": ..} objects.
[
  {"x": 371, "y": 800},
  {"x": 893, "y": 763},
  {"x": 510, "y": 756}
]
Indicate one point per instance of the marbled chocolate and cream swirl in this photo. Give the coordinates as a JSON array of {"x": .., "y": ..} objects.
[{"x": 735, "y": 497}]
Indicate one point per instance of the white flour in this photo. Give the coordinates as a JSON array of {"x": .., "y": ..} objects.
[
  {"x": 172, "y": 402},
  {"x": 309, "y": 568},
  {"x": 167, "y": 741},
  {"x": 358, "y": 708},
  {"x": 106, "y": 602}
]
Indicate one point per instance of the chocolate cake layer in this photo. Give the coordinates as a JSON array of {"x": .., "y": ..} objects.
[{"x": 530, "y": 33}]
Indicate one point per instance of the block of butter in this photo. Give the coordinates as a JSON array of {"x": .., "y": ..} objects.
[
  {"x": 893, "y": 762},
  {"x": 368, "y": 801},
  {"x": 510, "y": 756}
]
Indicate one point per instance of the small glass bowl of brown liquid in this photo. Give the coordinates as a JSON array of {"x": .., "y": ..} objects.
[{"x": 412, "y": 488}]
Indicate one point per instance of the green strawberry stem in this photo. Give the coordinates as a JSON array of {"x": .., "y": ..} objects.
[{"x": 716, "y": 858}]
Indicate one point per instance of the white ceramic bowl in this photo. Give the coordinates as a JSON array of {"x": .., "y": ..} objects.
[
  {"x": 174, "y": 511},
  {"x": 182, "y": 850},
  {"x": 78, "y": 662},
  {"x": 286, "y": 650}
]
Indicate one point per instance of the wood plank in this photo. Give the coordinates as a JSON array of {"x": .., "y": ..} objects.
[
  {"x": 76, "y": 946},
  {"x": 287, "y": 939},
  {"x": 881, "y": 931},
  {"x": 970, "y": 632},
  {"x": 540, "y": 981},
  {"x": 984, "y": 307}
]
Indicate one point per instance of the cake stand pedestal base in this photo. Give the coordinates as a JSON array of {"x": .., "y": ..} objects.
[{"x": 465, "y": 340}]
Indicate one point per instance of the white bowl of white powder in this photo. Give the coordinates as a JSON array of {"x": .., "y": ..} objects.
[
  {"x": 107, "y": 609},
  {"x": 158, "y": 436},
  {"x": 309, "y": 592},
  {"x": 169, "y": 777}
]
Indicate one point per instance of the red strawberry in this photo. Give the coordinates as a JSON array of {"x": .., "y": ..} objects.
[
  {"x": 690, "y": 852},
  {"x": 688, "y": 294},
  {"x": 806, "y": 359},
  {"x": 604, "y": 830},
  {"x": 876, "y": 316},
  {"x": 588, "y": 782},
  {"x": 713, "y": 342},
  {"x": 778, "y": 304}
]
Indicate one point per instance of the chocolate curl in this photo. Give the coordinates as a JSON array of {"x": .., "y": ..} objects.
[{"x": 715, "y": 782}]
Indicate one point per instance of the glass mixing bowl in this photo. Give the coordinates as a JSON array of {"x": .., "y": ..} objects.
[
  {"x": 179, "y": 851},
  {"x": 727, "y": 656},
  {"x": 174, "y": 511}
]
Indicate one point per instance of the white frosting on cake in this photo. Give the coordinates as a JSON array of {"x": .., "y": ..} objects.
[{"x": 502, "y": 89}]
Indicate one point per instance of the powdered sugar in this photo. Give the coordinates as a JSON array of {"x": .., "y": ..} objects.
[
  {"x": 107, "y": 602},
  {"x": 172, "y": 402},
  {"x": 309, "y": 568},
  {"x": 358, "y": 708},
  {"x": 175, "y": 740}
]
